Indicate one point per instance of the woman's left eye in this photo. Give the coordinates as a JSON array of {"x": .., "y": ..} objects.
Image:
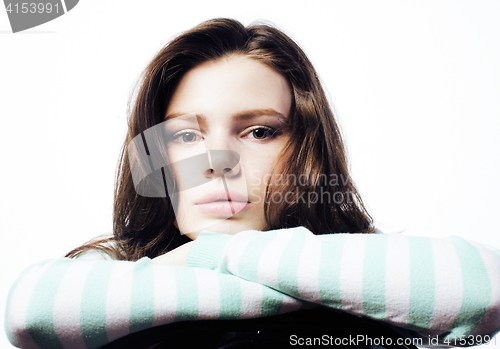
[{"x": 262, "y": 132}]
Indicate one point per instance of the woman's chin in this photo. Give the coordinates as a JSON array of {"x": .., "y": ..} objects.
[{"x": 228, "y": 226}]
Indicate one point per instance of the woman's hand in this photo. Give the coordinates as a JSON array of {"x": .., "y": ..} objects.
[{"x": 175, "y": 257}]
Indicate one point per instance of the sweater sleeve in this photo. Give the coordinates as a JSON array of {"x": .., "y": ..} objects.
[
  {"x": 447, "y": 289},
  {"x": 88, "y": 302}
]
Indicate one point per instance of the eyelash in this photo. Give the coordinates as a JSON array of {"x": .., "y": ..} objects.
[{"x": 271, "y": 133}]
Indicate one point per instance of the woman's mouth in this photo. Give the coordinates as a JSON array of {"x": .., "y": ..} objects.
[
  {"x": 223, "y": 207},
  {"x": 223, "y": 203}
]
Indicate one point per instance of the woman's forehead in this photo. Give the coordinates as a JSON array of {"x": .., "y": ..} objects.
[{"x": 230, "y": 86}]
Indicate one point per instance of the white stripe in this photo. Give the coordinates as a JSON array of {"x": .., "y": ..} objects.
[
  {"x": 235, "y": 248},
  {"x": 397, "y": 279},
  {"x": 165, "y": 294},
  {"x": 448, "y": 281},
  {"x": 19, "y": 304},
  {"x": 66, "y": 315},
  {"x": 351, "y": 273},
  {"x": 251, "y": 299},
  {"x": 490, "y": 321},
  {"x": 270, "y": 258},
  {"x": 208, "y": 294},
  {"x": 119, "y": 293},
  {"x": 308, "y": 270}
]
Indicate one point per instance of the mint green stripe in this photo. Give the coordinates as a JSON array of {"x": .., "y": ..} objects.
[
  {"x": 230, "y": 296},
  {"x": 207, "y": 250},
  {"x": 93, "y": 305},
  {"x": 187, "y": 294},
  {"x": 13, "y": 289},
  {"x": 289, "y": 264},
  {"x": 476, "y": 288},
  {"x": 271, "y": 302},
  {"x": 329, "y": 271},
  {"x": 422, "y": 283},
  {"x": 248, "y": 268},
  {"x": 374, "y": 276},
  {"x": 142, "y": 297},
  {"x": 39, "y": 315}
]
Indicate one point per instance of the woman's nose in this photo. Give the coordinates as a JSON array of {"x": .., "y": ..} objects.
[
  {"x": 222, "y": 163},
  {"x": 222, "y": 157}
]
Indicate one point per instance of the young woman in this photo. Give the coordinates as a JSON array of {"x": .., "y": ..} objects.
[{"x": 234, "y": 201}]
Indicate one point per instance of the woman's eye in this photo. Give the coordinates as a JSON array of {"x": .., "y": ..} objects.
[
  {"x": 185, "y": 137},
  {"x": 262, "y": 132},
  {"x": 188, "y": 137}
]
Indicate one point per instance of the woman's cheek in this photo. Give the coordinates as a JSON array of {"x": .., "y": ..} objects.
[
  {"x": 255, "y": 195},
  {"x": 255, "y": 180}
]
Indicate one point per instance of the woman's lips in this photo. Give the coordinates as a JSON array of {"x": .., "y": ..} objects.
[
  {"x": 221, "y": 202},
  {"x": 226, "y": 208}
]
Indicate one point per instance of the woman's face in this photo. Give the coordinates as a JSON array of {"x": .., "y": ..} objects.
[{"x": 226, "y": 125}]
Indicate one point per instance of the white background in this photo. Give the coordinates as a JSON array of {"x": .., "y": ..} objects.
[{"x": 416, "y": 85}]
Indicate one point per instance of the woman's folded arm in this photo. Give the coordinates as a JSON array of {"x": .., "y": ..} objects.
[
  {"x": 433, "y": 287},
  {"x": 80, "y": 303},
  {"x": 436, "y": 287}
]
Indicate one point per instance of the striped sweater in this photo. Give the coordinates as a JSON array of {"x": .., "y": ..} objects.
[{"x": 448, "y": 288}]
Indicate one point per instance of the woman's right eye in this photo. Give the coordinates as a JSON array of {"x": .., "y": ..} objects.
[{"x": 186, "y": 137}]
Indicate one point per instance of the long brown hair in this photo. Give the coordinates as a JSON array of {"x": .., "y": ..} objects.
[{"x": 313, "y": 161}]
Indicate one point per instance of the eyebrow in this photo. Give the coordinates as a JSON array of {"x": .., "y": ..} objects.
[{"x": 243, "y": 115}]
